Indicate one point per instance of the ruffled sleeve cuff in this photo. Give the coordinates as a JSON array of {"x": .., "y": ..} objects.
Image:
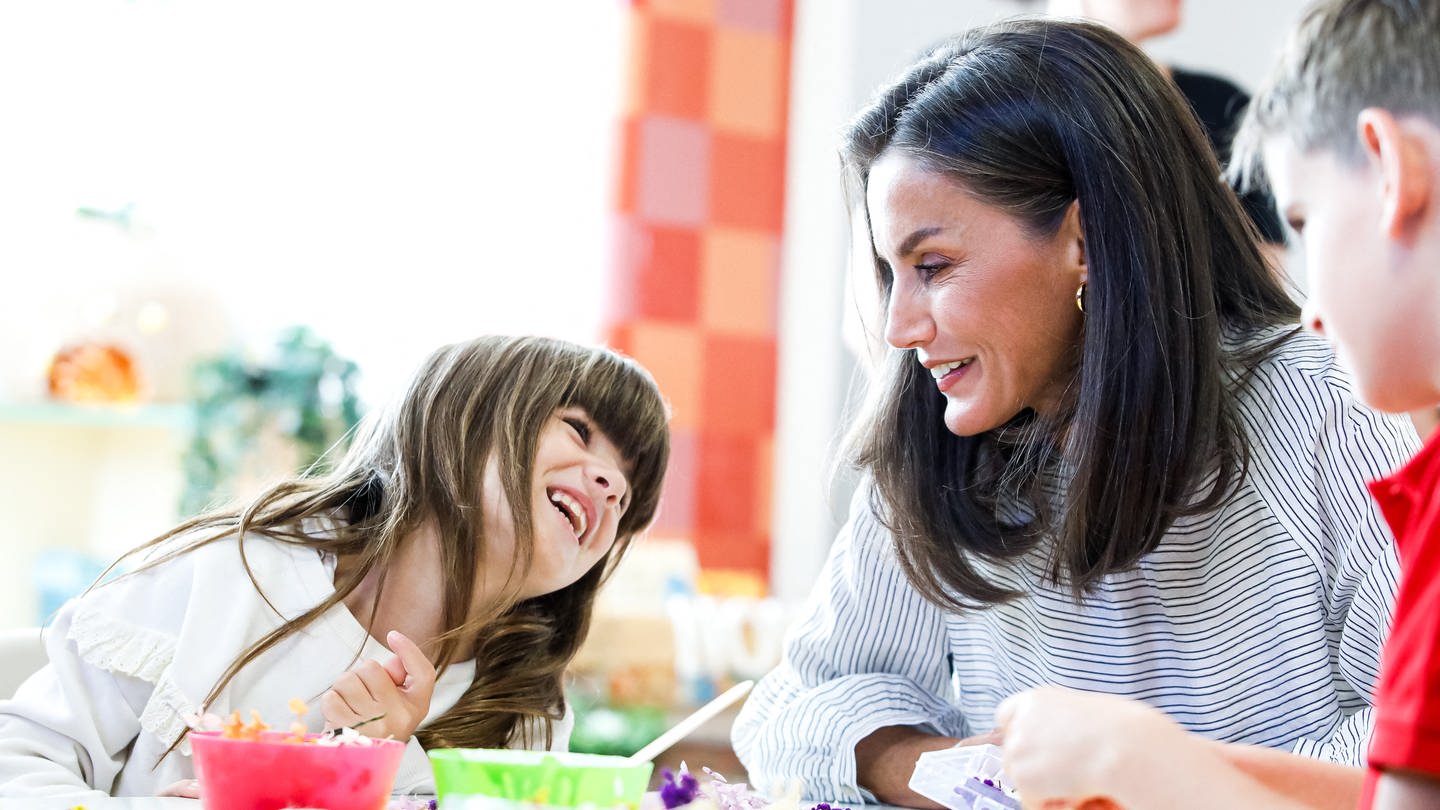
[{"x": 114, "y": 645}]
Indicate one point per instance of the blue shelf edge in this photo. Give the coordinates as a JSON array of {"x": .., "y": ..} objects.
[{"x": 173, "y": 416}]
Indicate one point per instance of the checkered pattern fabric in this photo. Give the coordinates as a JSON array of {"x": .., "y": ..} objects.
[{"x": 696, "y": 283}]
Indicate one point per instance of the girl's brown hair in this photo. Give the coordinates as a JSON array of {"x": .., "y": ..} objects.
[{"x": 424, "y": 459}]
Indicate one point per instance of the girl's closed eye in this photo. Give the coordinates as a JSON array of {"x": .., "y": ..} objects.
[{"x": 580, "y": 426}]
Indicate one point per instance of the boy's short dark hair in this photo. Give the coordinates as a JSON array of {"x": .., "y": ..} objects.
[{"x": 1344, "y": 56}]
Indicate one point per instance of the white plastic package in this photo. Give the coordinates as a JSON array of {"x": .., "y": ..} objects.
[{"x": 966, "y": 777}]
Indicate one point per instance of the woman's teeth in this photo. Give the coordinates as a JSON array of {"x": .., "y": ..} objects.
[{"x": 945, "y": 368}]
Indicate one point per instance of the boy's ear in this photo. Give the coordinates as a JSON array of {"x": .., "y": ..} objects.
[{"x": 1402, "y": 164}]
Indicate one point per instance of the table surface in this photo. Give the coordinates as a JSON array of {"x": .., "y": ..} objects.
[
  {"x": 140, "y": 803},
  {"x": 153, "y": 803},
  {"x": 651, "y": 801},
  {"x": 94, "y": 801},
  {"x": 130, "y": 803}
]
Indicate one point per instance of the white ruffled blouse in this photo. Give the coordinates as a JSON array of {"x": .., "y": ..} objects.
[{"x": 129, "y": 660}]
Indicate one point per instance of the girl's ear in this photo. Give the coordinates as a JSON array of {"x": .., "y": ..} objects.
[{"x": 1402, "y": 165}]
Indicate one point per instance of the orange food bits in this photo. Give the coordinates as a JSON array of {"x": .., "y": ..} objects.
[{"x": 234, "y": 729}]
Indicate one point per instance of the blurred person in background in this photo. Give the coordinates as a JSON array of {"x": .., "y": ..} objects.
[{"x": 1218, "y": 102}]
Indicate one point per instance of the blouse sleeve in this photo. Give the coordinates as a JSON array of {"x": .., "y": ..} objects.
[
  {"x": 867, "y": 651},
  {"x": 562, "y": 729},
  {"x": 69, "y": 727},
  {"x": 1357, "y": 445},
  {"x": 1314, "y": 446}
]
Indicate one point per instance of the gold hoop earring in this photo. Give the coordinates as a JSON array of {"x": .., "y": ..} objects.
[{"x": 1080, "y": 298}]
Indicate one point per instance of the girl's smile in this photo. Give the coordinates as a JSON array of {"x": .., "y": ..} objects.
[
  {"x": 581, "y": 483},
  {"x": 576, "y": 509}
]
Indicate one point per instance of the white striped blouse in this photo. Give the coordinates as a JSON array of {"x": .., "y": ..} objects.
[{"x": 1260, "y": 622}]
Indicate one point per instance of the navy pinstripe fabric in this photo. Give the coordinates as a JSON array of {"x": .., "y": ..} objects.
[{"x": 1260, "y": 622}]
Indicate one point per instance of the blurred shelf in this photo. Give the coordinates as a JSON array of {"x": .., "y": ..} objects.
[{"x": 171, "y": 416}]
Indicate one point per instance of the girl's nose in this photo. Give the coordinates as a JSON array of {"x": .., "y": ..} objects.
[{"x": 610, "y": 481}]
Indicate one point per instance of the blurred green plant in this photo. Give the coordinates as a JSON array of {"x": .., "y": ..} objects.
[
  {"x": 305, "y": 394},
  {"x": 615, "y": 730}
]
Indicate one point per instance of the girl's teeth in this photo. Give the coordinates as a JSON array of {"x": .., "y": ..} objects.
[{"x": 571, "y": 509}]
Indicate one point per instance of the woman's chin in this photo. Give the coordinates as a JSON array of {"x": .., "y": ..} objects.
[{"x": 965, "y": 422}]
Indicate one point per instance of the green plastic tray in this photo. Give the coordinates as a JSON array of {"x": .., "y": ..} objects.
[{"x": 539, "y": 777}]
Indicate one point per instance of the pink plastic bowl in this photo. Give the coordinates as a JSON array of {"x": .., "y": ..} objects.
[{"x": 270, "y": 775}]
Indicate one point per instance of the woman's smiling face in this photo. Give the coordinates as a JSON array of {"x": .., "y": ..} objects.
[{"x": 988, "y": 307}]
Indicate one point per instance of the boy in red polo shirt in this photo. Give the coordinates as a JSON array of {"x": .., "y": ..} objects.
[{"x": 1349, "y": 131}]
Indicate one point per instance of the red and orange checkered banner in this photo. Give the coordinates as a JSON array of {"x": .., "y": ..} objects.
[{"x": 696, "y": 282}]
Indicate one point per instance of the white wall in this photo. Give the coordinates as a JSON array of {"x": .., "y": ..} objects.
[
  {"x": 397, "y": 175},
  {"x": 1233, "y": 38},
  {"x": 844, "y": 51}
]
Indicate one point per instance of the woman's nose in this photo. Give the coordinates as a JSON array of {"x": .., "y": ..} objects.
[{"x": 907, "y": 324}]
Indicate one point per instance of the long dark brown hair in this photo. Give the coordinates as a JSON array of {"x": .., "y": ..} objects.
[
  {"x": 1031, "y": 115},
  {"x": 422, "y": 460}
]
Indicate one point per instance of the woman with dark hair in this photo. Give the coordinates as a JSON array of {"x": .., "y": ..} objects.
[{"x": 1100, "y": 454}]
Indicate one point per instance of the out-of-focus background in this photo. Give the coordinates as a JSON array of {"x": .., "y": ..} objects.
[{"x": 226, "y": 230}]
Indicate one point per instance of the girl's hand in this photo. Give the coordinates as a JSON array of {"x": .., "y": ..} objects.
[
  {"x": 1066, "y": 748},
  {"x": 398, "y": 691},
  {"x": 184, "y": 789}
]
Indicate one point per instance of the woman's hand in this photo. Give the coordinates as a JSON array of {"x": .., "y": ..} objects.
[{"x": 397, "y": 692}]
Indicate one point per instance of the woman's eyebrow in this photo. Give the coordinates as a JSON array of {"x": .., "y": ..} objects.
[{"x": 914, "y": 239}]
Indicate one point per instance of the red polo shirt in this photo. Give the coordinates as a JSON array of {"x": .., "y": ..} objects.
[{"x": 1407, "y": 700}]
